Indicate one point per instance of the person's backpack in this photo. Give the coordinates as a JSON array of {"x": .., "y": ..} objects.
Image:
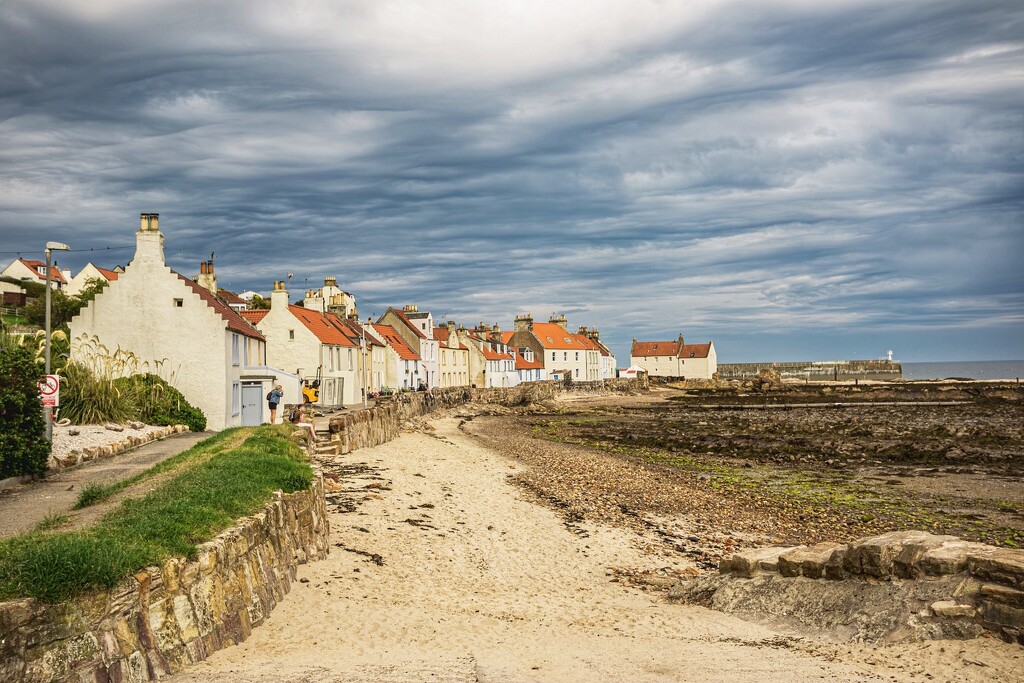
[{"x": 269, "y": 394}]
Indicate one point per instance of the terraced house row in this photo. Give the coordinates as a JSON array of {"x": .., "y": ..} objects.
[{"x": 226, "y": 351}]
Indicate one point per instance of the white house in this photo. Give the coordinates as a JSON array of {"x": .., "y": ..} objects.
[
  {"x": 404, "y": 369},
  {"x": 563, "y": 353},
  {"x": 180, "y": 331},
  {"x": 311, "y": 344},
  {"x": 675, "y": 358},
  {"x": 35, "y": 271},
  {"x": 88, "y": 272},
  {"x": 417, "y": 329}
]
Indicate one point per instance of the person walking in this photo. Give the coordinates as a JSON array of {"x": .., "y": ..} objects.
[{"x": 273, "y": 400}]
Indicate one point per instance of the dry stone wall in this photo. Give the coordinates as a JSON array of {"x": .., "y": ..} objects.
[
  {"x": 902, "y": 585},
  {"x": 164, "y": 618},
  {"x": 81, "y": 456}
]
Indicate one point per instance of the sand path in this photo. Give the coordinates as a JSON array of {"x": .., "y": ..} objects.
[{"x": 479, "y": 584}]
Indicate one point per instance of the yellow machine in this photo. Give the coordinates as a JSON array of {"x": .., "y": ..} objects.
[{"x": 311, "y": 391}]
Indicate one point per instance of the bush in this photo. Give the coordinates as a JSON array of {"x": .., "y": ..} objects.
[
  {"x": 161, "y": 404},
  {"x": 23, "y": 445},
  {"x": 89, "y": 397}
]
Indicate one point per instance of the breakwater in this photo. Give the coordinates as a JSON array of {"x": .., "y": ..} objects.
[{"x": 823, "y": 371}]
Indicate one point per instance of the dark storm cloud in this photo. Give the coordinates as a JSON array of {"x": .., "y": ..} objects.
[{"x": 756, "y": 172}]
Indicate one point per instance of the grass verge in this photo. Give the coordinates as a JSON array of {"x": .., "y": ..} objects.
[
  {"x": 170, "y": 521},
  {"x": 97, "y": 493}
]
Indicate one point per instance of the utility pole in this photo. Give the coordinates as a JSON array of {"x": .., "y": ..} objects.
[{"x": 48, "y": 410}]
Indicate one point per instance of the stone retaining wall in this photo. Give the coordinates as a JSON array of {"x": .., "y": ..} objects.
[
  {"x": 383, "y": 422},
  {"x": 929, "y": 584},
  {"x": 90, "y": 453},
  {"x": 164, "y": 618}
]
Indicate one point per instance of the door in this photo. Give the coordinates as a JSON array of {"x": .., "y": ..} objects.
[{"x": 252, "y": 404}]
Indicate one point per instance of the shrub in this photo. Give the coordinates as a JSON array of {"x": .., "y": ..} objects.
[
  {"x": 89, "y": 397},
  {"x": 161, "y": 404},
  {"x": 23, "y": 445}
]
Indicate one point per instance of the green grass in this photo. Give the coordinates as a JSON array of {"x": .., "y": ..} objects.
[
  {"x": 192, "y": 507},
  {"x": 52, "y": 521},
  {"x": 96, "y": 493}
]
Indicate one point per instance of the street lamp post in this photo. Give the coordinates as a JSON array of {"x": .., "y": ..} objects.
[{"x": 50, "y": 248}]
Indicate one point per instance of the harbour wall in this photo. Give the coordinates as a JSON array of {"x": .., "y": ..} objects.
[{"x": 823, "y": 371}]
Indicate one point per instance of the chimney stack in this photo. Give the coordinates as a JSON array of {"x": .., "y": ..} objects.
[
  {"x": 560, "y": 321},
  {"x": 279, "y": 297},
  {"x": 207, "y": 279},
  {"x": 411, "y": 308},
  {"x": 149, "y": 242},
  {"x": 524, "y": 323}
]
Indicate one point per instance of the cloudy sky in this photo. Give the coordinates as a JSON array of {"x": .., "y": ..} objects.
[{"x": 797, "y": 180}]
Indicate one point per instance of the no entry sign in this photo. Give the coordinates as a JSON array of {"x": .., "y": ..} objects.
[{"x": 49, "y": 390}]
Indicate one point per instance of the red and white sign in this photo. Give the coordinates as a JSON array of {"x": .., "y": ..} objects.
[{"x": 49, "y": 390}]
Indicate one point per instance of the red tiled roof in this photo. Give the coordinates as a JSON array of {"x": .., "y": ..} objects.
[
  {"x": 234, "y": 321},
  {"x": 441, "y": 334},
  {"x": 111, "y": 275},
  {"x": 523, "y": 364},
  {"x": 495, "y": 355},
  {"x": 655, "y": 348},
  {"x": 254, "y": 316},
  {"x": 357, "y": 332},
  {"x": 34, "y": 266},
  {"x": 587, "y": 342},
  {"x": 317, "y": 323},
  {"x": 552, "y": 336},
  {"x": 391, "y": 336},
  {"x": 506, "y": 336},
  {"x": 695, "y": 350}
]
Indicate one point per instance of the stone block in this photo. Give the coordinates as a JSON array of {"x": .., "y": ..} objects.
[
  {"x": 951, "y": 609},
  {"x": 808, "y": 561},
  {"x": 948, "y": 558},
  {"x": 1003, "y": 594},
  {"x": 875, "y": 556},
  {"x": 998, "y": 564},
  {"x": 997, "y": 614}
]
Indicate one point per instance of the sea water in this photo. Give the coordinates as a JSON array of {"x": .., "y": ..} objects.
[{"x": 974, "y": 369}]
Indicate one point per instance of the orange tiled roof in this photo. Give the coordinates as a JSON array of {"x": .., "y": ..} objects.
[
  {"x": 495, "y": 355},
  {"x": 317, "y": 323},
  {"x": 523, "y": 364},
  {"x": 34, "y": 266},
  {"x": 254, "y": 316},
  {"x": 111, "y": 275},
  {"x": 391, "y": 336},
  {"x": 231, "y": 298},
  {"x": 552, "y": 336},
  {"x": 234, "y": 321},
  {"x": 587, "y": 342},
  {"x": 506, "y": 336}
]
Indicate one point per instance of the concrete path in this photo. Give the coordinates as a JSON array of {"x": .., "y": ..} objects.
[{"x": 24, "y": 506}]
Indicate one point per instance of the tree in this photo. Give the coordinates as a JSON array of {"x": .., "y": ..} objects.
[
  {"x": 259, "y": 303},
  {"x": 62, "y": 307},
  {"x": 23, "y": 445}
]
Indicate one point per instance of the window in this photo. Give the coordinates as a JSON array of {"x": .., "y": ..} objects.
[
  {"x": 565, "y": 355},
  {"x": 291, "y": 334},
  {"x": 552, "y": 355},
  {"x": 236, "y": 398},
  {"x": 178, "y": 303},
  {"x": 245, "y": 351},
  {"x": 577, "y": 355},
  {"x": 234, "y": 349}
]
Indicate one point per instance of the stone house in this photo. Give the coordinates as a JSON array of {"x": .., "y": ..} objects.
[
  {"x": 313, "y": 345},
  {"x": 675, "y": 358},
  {"x": 180, "y": 331}
]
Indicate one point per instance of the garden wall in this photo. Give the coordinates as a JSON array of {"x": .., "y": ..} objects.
[{"x": 164, "y": 618}]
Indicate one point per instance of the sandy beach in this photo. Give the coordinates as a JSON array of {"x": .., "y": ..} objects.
[{"x": 441, "y": 569}]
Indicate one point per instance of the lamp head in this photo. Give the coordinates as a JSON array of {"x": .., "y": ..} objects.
[{"x": 57, "y": 246}]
